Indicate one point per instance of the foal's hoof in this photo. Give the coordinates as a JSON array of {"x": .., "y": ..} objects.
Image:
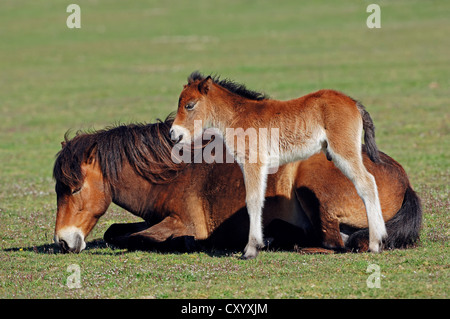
[
  {"x": 376, "y": 247},
  {"x": 248, "y": 256},
  {"x": 250, "y": 253}
]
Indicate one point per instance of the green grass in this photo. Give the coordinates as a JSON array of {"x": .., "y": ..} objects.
[{"x": 128, "y": 63}]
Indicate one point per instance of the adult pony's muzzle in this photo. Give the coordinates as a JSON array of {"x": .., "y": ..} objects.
[{"x": 70, "y": 240}]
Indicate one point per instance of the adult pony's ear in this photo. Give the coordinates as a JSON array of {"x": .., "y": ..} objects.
[
  {"x": 90, "y": 154},
  {"x": 204, "y": 85}
]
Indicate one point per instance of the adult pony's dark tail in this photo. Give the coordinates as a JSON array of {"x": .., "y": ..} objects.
[
  {"x": 369, "y": 133},
  {"x": 403, "y": 229}
]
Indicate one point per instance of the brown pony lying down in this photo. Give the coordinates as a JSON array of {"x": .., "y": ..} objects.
[{"x": 200, "y": 205}]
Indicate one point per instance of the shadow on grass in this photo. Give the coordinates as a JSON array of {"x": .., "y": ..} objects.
[
  {"x": 100, "y": 247},
  {"x": 49, "y": 249},
  {"x": 281, "y": 236}
]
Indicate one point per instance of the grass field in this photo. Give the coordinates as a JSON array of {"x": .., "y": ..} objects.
[{"x": 128, "y": 63}]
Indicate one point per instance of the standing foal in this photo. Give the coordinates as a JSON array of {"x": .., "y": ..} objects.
[{"x": 326, "y": 121}]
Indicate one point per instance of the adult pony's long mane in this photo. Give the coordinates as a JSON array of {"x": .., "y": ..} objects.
[
  {"x": 237, "y": 88},
  {"x": 146, "y": 147}
]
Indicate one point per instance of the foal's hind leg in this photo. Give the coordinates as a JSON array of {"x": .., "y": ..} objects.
[
  {"x": 255, "y": 178},
  {"x": 351, "y": 165}
]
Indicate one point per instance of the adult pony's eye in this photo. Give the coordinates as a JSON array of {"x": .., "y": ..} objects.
[{"x": 190, "y": 105}]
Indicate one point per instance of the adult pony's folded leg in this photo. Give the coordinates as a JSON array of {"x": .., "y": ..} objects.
[
  {"x": 169, "y": 234},
  {"x": 118, "y": 234}
]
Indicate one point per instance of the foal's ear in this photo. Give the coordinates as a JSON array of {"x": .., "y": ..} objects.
[{"x": 204, "y": 85}]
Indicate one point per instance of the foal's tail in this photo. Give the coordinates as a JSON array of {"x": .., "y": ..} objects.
[
  {"x": 403, "y": 229},
  {"x": 369, "y": 133}
]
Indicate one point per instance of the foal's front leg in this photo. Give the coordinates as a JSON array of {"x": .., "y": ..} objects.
[{"x": 255, "y": 178}]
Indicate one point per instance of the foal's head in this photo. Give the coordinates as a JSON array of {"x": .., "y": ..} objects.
[
  {"x": 193, "y": 105},
  {"x": 202, "y": 99},
  {"x": 82, "y": 197}
]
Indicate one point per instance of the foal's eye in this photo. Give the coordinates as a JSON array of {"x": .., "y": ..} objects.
[
  {"x": 76, "y": 191},
  {"x": 190, "y": 105}
]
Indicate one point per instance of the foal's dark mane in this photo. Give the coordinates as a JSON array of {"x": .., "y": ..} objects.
[
  {"x": 230, "y": 85},
  {"x": 146, "y": 147}
]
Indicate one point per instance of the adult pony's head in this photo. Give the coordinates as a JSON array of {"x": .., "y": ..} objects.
[
  {"x": 82, "y": 196},
  {"x": 90, "y": 172},
  {"x": 201, "y": 99}
]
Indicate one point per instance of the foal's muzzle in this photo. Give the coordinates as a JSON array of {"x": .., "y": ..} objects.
[
  {"x": 174, "y": 138},
  {"x": 179, "y": 134}
]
